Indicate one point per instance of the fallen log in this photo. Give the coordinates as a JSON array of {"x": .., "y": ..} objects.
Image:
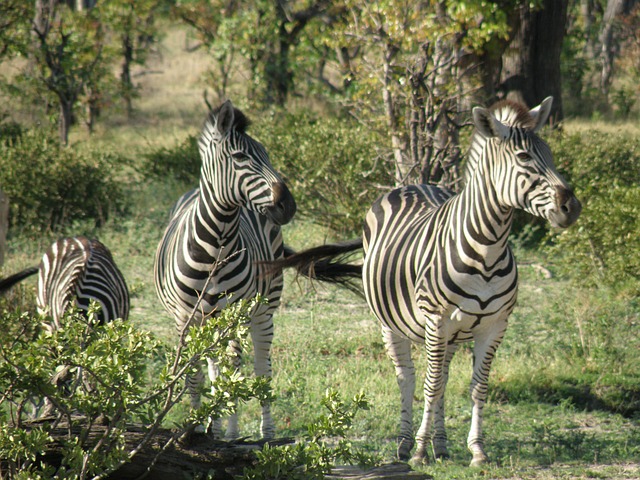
[{"x": 202, "y": 457}]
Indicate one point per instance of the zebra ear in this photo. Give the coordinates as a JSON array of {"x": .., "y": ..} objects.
[
  {"x": 488, "y": 125},
  {"x": 541, "y": 113},
  {"x": 226, "y": 117}
]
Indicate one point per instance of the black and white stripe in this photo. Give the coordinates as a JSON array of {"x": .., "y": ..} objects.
[
  {"x": 438, "y": 269},
  {"x": 73, "y": 272},
  {"x": 230, "y": 223}
]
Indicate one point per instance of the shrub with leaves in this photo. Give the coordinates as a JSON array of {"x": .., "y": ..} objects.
[
  {"x": 318, "y": 451},
  {"x": 105, "y": 391},
  {"x": 603, "y": 247},
  {"x": 332, "y": 164},
  {"x": 50, "y": 186}
]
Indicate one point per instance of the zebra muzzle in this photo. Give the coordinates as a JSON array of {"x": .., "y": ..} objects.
[
  {"x": 567, "y": 209},
  {"x": 284, "y": 205}
]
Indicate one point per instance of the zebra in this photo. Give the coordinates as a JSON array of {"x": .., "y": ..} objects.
[
  {"x": 438, "y": 269},
  {"x": 73, "y": 272},
  {"x": 215, "y": 239}
]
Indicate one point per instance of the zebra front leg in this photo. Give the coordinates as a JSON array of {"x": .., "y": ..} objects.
[
  {"x": 262, "y": 337},
  {"x": 214, "y": 372},
  {"x": 440, "y": 450},
  {"x": 194, "y": 382},
  {"x": 399, "y": 350},
  {"x": 484, "y": 350},
  {"x": 434, "y": 384}
]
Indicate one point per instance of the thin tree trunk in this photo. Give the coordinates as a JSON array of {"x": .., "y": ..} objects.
[
  {"x": 4, "y": 224},
  {"x": 66, "y": 119},
  {"x": 608, "y": 43}
]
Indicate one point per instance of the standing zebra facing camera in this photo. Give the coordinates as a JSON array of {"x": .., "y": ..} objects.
[
  {"x": 73, "y": 272},
  {"x": 438, "y": 269},
  {"x": 216, "y": 238}
]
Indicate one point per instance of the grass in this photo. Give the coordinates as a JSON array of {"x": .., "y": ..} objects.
[{"x": 564, "y": 391}]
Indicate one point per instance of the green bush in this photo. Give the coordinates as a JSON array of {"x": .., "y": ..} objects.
[
  {"x": 332, "y": 166},
  {"x": 603, "y": 248},
  {"x": 182, "y": 162},
  {"x": 50, "y": 186}
]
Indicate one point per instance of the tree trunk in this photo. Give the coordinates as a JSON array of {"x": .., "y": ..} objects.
[
  {"x": 402, "y": 168},
  {"x": 125, "y": 74},
  {"x": 531, "y": 63},
  {"x": 4, "y": 224},
  {"x": 608, "y": 40},
  {"x": 66, "y": 119}
]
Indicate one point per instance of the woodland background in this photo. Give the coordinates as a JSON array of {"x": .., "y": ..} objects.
[{"x": 102, "y": 104}]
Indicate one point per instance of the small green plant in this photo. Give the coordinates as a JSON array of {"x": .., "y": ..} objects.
[{"x": 317, "y": 451}]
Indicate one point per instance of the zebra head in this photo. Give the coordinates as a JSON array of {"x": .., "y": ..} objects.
[
  {"x": 237, "y": 167},
  {"x": 521, "y": 164}
]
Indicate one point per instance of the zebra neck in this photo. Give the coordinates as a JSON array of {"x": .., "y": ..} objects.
[
  {"x": 215, "y": 223},
  {"x": 483, "y": 218}
]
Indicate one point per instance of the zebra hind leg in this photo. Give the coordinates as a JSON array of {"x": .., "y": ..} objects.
[
  {"x": 194, "y": 382},
  {"x": 216, "y": 423}
]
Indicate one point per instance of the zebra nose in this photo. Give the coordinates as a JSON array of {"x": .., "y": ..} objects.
[
  {"x": 284, "y": 205},
  {"x": 567, "y": 210}
]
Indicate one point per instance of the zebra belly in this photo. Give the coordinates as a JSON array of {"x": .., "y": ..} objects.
[{"x": 411, "y": 317}]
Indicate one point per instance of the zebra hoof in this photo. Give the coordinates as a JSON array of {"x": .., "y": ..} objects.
[
  {"x": 404, "y": 449},
  {"x": 419, "y": 460},
  {"x": 443, "y": 455},
  {"x": 479, "y": 459}
]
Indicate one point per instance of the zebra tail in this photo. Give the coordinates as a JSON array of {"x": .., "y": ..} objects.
[
  {"x": 10, "y": 281},
  {"x": 331, "y": 263}
]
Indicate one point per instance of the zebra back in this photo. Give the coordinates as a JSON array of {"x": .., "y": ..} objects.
[{"x": 76, "y": 270}]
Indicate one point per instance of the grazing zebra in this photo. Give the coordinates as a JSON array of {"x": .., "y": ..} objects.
[
  {"x": 217, "y": 236},
  {"x": 438, "y": 269},
  {"x": 74, "y": 271}
]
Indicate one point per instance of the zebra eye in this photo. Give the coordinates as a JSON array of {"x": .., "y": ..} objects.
[
  {"x": 524, "y": 156},
  {"x": 241, "y": 158}
]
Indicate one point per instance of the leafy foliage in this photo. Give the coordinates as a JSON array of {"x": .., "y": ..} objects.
[
  {"x": 181, "y": 162},
  {"x": 332, "y": 166},
  {"x": 105, "y": 367},
  {"x": 604, "y": 246},
  {"x": 50, "y": 186},
  {"x": 313, "y": 457}
]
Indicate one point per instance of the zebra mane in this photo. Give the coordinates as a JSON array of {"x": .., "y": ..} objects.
[
  {"x": 513, "y": 114},
  {"x": 509, "y": 113},
  {"x": 240, "y": 120}
]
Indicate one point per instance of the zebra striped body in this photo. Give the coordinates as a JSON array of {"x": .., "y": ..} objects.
[
  {"x": 217, "y": 235},
  {"x": 73, "y": 272},
  {"x": 438, "y": 269}
]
